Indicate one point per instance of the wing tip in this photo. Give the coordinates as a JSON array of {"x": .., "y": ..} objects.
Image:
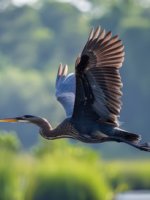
[
  {"x": 65, "y": 70},
  {"x": 100, "y": 33},
  {"x": 62, "y": 70}
]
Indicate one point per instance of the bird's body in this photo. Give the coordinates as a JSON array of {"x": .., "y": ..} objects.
[
  {"x": 91, "y": 96},
  {"x": 83, "y": 130},
  {"x": 87, "y": 131}
]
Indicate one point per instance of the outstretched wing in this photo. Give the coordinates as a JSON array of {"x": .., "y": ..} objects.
[
  {"x": 65, "y": 89},
  {"x": 98, "y": 82}
]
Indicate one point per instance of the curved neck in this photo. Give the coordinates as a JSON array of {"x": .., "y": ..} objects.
[
  {"x": 48, "y": 132},
  {"x": 46, "y": 129},
  {"x": 44, "y": 124}
]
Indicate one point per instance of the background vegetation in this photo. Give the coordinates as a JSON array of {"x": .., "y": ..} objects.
[
  {"x": 34, "y": 39},
  {"x": 58, "y": 170}
]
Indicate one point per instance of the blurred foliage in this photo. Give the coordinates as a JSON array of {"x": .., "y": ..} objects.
[
  {"x": 9, "y": 148},
  {"x": 68, "y": 172},
  {"x": 129, "y": 175},
  {"x": 9, "y": 142},
  {"x": 63, "y": 171},
  {"x": 59, "y": 170},
  {"x": 67, "y": 167},
  {"x": 64, "y": 146},
  {"x": 35, "y": 38}
]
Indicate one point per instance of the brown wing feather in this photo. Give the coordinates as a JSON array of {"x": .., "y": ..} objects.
[{"x": 98, "y": 78}]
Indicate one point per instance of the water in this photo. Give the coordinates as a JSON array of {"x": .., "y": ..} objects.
[{"x": 133, "y": 195}]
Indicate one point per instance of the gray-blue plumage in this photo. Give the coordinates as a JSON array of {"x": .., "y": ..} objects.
[{"x": 65, "y": 89}]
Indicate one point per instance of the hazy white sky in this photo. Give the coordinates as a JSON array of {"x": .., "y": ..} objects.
[
  {"x": 83, "y": 5},
  {"x": 22, "y": 2}
]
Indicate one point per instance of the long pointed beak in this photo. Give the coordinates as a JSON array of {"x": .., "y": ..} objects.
[
  {"x": 16, "y": 119},
  {"x": 9, "y": 120}
]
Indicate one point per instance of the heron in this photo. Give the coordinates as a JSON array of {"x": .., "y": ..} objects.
[{"x": 91, "y": 96}]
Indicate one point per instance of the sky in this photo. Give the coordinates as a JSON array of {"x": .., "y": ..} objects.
[
  {"x": 22, "y": 2},
  {"x": 83, "y": 5}
]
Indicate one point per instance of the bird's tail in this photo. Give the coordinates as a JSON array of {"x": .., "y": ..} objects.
[
  {"x": 131, "y": 139},
  {"x": 125, "y": 135}
]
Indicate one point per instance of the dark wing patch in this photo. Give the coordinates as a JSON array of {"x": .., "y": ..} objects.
[{"x": 98, "y": 77}]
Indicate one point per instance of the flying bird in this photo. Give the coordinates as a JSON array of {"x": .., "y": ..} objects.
[{"x": 91, "y": 96}]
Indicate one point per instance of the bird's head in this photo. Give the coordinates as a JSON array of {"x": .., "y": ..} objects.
[{"x": 44, "y": 125}]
